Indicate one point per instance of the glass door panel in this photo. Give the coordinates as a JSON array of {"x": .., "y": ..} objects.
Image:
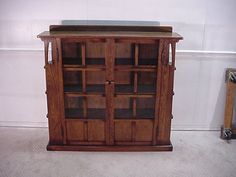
[
  {"x": 90, "y": 107},
  {"x": 135, "y": 80},
  {"x": 72, "y": 53},
  {"x": 134, "y": 107},
  {"x": 84, "y": 85},
  {"x": 95, "y": 53},
  {"x": 148, "y": 54},
  {"x": 86, "y": 82},
  {"x": 124, "y": 54}
]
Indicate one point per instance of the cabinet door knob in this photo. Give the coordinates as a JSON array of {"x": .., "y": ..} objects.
[{"x": 109, "y": 82}]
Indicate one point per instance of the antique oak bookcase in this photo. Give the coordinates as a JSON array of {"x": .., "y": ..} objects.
[{"x": 109, "y": 88}]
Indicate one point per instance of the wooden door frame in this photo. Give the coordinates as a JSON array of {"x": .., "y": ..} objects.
[{"x": 110, "y": 89}]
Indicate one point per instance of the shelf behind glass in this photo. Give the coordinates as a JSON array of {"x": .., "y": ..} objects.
[
  {"x": 77, "y": 113},
  {"x": 78, "y": 61},
  {"x": 130, "y": 61},
  {"x": 140, "y": 114},
  {"x": 119, "y": 89},
  {"x": 67, "y": 61}
]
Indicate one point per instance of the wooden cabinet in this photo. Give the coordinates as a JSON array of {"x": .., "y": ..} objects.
[{"x": 109, "y": 88}]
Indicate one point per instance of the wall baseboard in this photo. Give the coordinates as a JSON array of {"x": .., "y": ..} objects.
[
  {"x": 195, "y": 128},
  {"x": 22, "y": 124}
]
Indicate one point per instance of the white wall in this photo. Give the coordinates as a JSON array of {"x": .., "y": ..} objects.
[{"x": 207, "y": 49}]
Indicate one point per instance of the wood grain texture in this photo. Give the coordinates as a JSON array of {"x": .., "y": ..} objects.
[
  {"x": 144, "y": 131},
  {"x": 96, "y": 130},
  {"x": 75, "y": 131},
  {"x": 57, "y": 52},
  {"x": 53, "y": 85},
  {"x": 158, "y": 91},
  {"x": 164, "y": 118},
  {"x": 110, "y": 88},
  {"x": 123, "y": 131},
  {"x": 229, "y": 107},
  {"x": 230, "y": 93}
]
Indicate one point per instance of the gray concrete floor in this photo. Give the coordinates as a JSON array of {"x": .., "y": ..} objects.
[{"x": 196, "y": 154}]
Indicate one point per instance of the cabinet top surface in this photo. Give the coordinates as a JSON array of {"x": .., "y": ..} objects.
[
  {"x": 109, "y": 31},
  {"x": 103, "y": 34}
]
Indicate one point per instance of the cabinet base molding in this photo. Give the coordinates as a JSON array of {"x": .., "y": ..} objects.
[{"x": 109, "y": 148}]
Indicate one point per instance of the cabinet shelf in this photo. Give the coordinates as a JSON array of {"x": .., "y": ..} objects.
[
  {"x": 135, "y": 68},
  {"x": 94, "y": 88},
  {"x": 95, "y": 113},
  {"x": 122, "y": 88},
  {"x": 77, "y": 113},
  {"x": 73, "y": 62},
  {"x": 68, "y": 61},
  {"x": 102, "y": 68},
  {"x": 131, "y": 61},
  {"x": 140, "y": 114},
  {"x": 119, "y": 89}
]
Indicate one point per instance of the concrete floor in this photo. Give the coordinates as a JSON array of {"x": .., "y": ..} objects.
[{"x": 196, "y": 154}]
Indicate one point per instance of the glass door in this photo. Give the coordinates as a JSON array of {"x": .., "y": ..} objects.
[
  {"x": 84, "y": 91},
  {"x": 135, "y": 92}
]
